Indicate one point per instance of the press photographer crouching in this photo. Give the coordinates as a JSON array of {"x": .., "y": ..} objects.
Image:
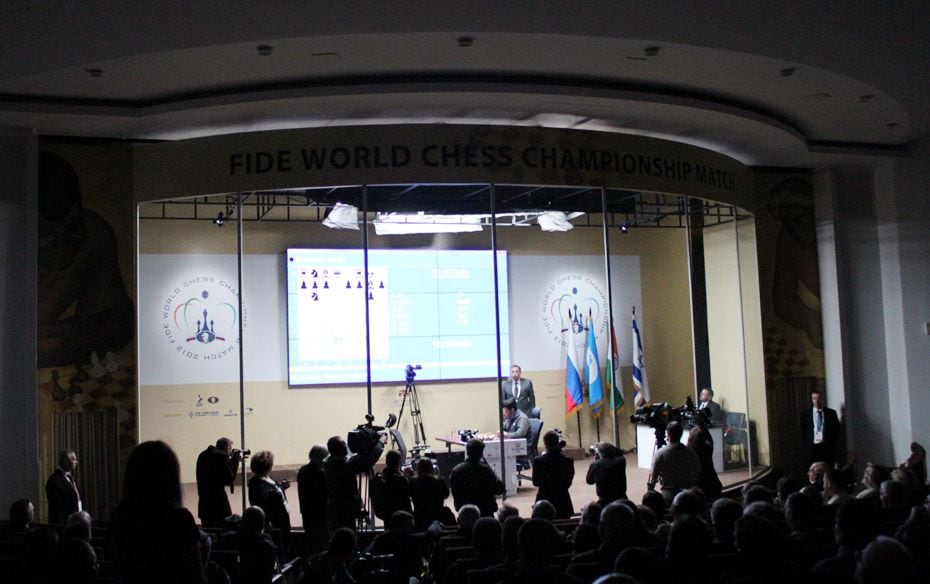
[
  {"x": 345, "y": 506},
  {"x": 607, "y": 473}
]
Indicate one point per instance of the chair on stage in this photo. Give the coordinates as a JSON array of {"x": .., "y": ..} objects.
[
  {"x": 532, "y": 447},
  {"x": 736, "y": 438}
]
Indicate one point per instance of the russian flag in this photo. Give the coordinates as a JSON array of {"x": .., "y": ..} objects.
[{"x": 574, "y": 397}]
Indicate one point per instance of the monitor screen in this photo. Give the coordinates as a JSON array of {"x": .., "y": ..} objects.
[{"x": 425, "y": 307}]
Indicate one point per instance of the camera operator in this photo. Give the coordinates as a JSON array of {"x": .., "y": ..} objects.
[
  {"x": 217, "y": 467},
  {"x": 675, "y": 465},
  {"x": 345, "y": 502},
  {"x": 608, "y": 473},
  {"x": 553, "y": 473}
]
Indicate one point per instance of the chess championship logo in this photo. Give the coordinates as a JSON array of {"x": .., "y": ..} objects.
[
  {"x": 569, "y": 301},
  {"x": 200, "y": 318}
]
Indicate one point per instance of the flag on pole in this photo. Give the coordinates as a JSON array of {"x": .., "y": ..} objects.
[
  {"x": 613, "y": 372},
  {"x": 573, "y": 394},
  {"x": 640, "y": 387},
  {"x": 592, "y": 371}
]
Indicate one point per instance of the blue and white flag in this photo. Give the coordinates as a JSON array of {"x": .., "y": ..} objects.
[
  {"x": 640, "y": 387},
  {"x": 592, "y": 371}
]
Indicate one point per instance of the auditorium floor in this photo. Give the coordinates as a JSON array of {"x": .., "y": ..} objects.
[{"x": 523, "y": 500}]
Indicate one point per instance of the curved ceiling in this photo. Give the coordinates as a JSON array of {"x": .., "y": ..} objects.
[{"x": 786, "y": 84}]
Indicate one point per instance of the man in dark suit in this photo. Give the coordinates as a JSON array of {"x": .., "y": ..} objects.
[
  {"x": 553, "y": 473},
  {"x": 821, "y": 431},
  {"x": 217, "y": 467},
  {"x": 64, "y": 497},
  {"x": 473, "y": 481},
  {"x": 714, "y": 411},
  {"x": 520, "y": 390}
]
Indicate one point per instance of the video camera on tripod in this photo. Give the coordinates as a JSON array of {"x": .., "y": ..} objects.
[{"x": 365, "y": 437}]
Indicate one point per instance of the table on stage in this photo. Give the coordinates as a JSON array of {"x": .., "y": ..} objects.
[
  {"x": 513, "y": 447},
  {"x": 646, "y": 441}
]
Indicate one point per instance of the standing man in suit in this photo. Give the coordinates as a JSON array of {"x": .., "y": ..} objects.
[
  {"x": 520, "y": 390},
  {"x": 553, "y": 473},
  {"x": 714, "y": 411},
  {"x": 64, "y": 497},
  {"x": 821, "y": 431}
]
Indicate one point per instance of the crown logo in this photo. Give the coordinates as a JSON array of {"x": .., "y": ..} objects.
[{"x": 205, "y": 334}]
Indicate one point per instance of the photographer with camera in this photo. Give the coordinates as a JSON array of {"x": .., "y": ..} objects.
[
  {"x": 607, "y": 473},
  {"x": 675, "y": 465},
  {"x": 342, "y": 470},
  {"x": 553, "y": 473},
  {"x": 217, "y": 467}
]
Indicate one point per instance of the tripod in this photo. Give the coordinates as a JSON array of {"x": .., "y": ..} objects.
[{"x": 416, "y": 418}]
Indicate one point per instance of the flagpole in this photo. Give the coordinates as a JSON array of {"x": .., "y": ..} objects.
[
  {"x": 578, "y": 418},
  {"x": 610, "y": 313}
]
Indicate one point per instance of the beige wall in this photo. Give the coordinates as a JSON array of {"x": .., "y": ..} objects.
[{"x": 288, "y": 421}]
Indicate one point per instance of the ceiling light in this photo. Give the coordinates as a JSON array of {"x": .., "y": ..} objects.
[
  {"x": 264, "y": 50},
  {"x": 787, "y": 72},
  {"x": 95, "y": 72},
  {"x": 625, "y": 227},
  {"x": 554, "y": 221},
  {"x": 409, "y": 224},
  {"x": 342, "y": 216},
  {"x": 651, "y": 51},
  {"x": 466, "y": 41},
  {"x": 220, "y": 219}
]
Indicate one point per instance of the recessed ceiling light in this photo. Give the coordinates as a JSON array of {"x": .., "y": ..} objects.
[
  {"x": 466, "y": 41},
  {"x": 264, "y": 50},
  {"x": 787, "y": 72},
  {"x": 95, "y": 72},
  {"x": 651, "y": 51},
  {"x": 891, "y": 125},
  {"x": 865, "y": 98}
]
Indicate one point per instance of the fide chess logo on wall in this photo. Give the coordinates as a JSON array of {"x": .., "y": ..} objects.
[
  {"x": 570, "y": 301},
  {"x": 200, "y": 318}
]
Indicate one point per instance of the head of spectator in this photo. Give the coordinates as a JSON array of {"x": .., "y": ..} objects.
[
  {"x": 342, "y": 546},
  {"x": 591, "y": 513},
  {"x": 22, "y": 514},
  {"x": 543, "y": 509},
  {"x": 855, "y": 525},
  {"x": 506, "y": 510},
  {"x": 509, "y": 538},
  {"x": 392, "y": 462},
  {"x": 152, "y": 479},
  {"x": 552, "y": 441},
  {"x": 253, "y": 521},
  {"x": 893, "y": 493},
  {"x": 833, "y": 485},
  {"x": 317, "y": 455},
  {"x": 757, "y": 493},
  {"x": 586, "y": 537},
  {"x": 655, "y": 501},
  {"x": 815, "y": 473},
  {"x": 800, "y": 512},
  {"x": 425, "y": 467},
  {"x": 486, "y": 537},
  {"x": 616, "y": 526},
  {"x": 724, "y": 514},
  {"x": 873, "y": 476},
  {"x": 674, "y": 431},
  {"x": 537, "y": 541},
  {"x": 785, "y": 487},
  {"x": 607, "y": 450},
  {"x": 262, "y": 463},
  {"x": 885, "y": 561},
  {"x": 686, "y": 502},
  {"x": 915, "y": 532},
  {"x": 401, "y": 522},
  {"x": 337, "y": 448},
  {"x": 757, "y": 538},
  {"x": 474, "y": 448},
  {"x": 224, "y": 445},
  {"x": 647, "y": 517},
  {"x": 468, "y": 516},
  {"x": 642, "y": 564},
  {"x": 689, "y": 542},
  {"x": 78, "y": 526},
  {"x": 815, "y": 495},
  {"x": 769, "y": 512}
]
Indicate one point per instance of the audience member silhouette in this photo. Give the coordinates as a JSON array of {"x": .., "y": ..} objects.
[
  {"x": 269, "y": 494},
  {"x": 338, "y": 564},
  {"x": 616, "y": 528},
  {"x": 608, "y": 473},
  {"x": 538, "y": 542},
  {"x": 723, "y": 516},
  {"x": 702, "y": 443},
  {"x": 428, "y": 494},
  {"x": 313, "y": 497},
  {"x": 390, "y": 490},
  {"x": 258, "y": 555},
  {"x": 345, "y": 502},
  {"x": 553, "y": 473},
  {"x": 217, "y": 468},
  {"x": 408, "y": 548},
  {"x": 156, "y": 539},
  {"x": 486, "y": 541},
  {"x": 74, "y": 559},
  {"x": 64, "y": 497},
  {"x": 473, "y": 481}
]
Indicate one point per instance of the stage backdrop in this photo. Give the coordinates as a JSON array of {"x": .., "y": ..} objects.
[{"x": 189, "y": 389}]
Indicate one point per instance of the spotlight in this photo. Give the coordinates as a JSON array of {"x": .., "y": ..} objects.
[
  {"x": 625, "y": 227},
  {"x": 220, "y": 219}
]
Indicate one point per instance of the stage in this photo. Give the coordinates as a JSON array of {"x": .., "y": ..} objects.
[{"x": 581, "y": 492}]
